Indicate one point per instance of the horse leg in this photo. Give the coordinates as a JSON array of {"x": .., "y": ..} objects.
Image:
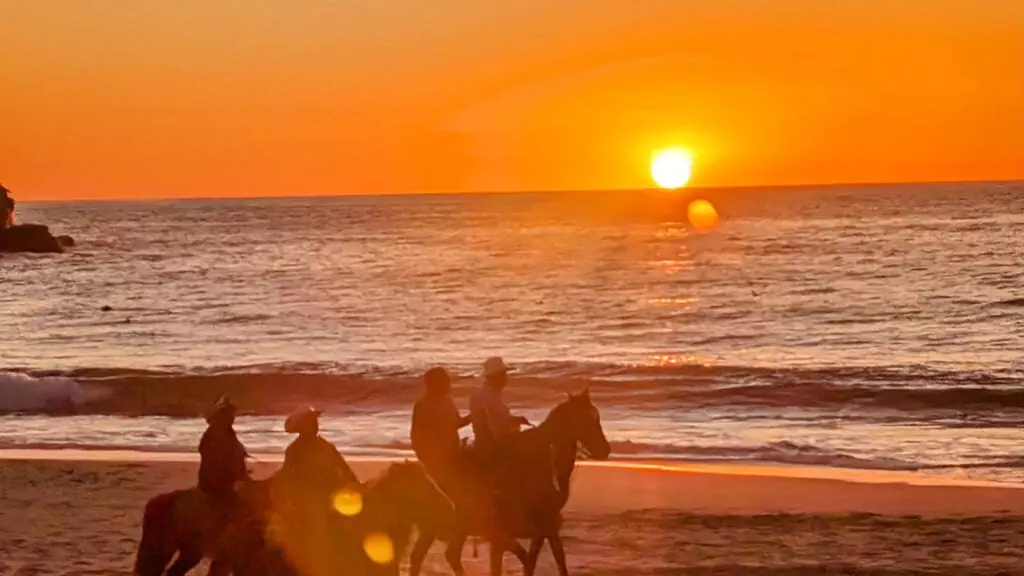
[
  {"x": 400, "y": 540},
  {"x": 159, "y": 543},
  {"x": 189, "y": 557},
  {"x": 419, "y": 551},
  {"x": 453, "y": 554},
  {"x": 536, "y": 545},
  {"x": 219, "y": 568},
  {"x": 504, "y": 541},
  {"x": 153, "y": 558},
  {"x": 497, "y": 555},
  {"x": 516, "y": 549},
  {"x": 559, "y": 553}
]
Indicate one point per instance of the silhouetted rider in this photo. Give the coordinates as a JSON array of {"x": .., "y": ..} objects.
[
  {"x": 493, "y": 423},
  {"x": 221, "y": 454},
  {"x": 310, "y": 460},
  {"x": 435, "y": 427}
]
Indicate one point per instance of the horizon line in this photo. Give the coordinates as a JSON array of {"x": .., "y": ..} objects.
[{"x": 683, "y": 190}]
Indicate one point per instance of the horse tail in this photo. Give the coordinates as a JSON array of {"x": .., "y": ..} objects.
[{"x": 157, "y": 546}]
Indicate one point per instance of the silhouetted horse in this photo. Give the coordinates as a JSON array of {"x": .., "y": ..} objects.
[
  {"x": 533, "y": 487},
  {"x": 187, "y": 526},
  {"x": 390, "y": 505},
  {"x": 403, "y": 497},
  {"x": 257, "y": 542}
]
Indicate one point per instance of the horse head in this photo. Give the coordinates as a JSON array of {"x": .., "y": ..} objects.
[{"x": 584, "y": 419}]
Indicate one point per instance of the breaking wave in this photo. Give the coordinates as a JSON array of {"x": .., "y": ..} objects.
[
  {"x": 26, "y": 393},
  {"x": 277, "y": 389}
]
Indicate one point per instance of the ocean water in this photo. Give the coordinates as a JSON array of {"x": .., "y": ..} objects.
[{"x": 869, "y": 327}]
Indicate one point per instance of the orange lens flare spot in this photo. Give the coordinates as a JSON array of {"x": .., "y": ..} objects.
[
  {"x": 378, "y": 547},
  {"x": 702, "y": 215},
  {"x": 348, "y": 502}
]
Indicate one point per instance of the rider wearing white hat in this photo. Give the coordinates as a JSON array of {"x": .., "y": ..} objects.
[{"x": 492, "y": 420}]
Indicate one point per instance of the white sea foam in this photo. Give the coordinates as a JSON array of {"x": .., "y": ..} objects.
[{"x": 23, "y": 392}]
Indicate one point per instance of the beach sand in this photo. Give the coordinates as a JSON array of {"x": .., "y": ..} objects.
[{"x": 79, "y": 513}]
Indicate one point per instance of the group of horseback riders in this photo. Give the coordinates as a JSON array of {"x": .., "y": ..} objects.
[{"x": 315, "y": 465}]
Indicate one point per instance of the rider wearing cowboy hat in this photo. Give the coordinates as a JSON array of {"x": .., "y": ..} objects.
[
  {"x": 492, "y": 420},
  {"x": 221, "y": 454},
  {"x": 312, "y": 460}
]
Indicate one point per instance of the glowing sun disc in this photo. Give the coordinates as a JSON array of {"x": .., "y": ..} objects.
[{"x": 671, "y": 168}]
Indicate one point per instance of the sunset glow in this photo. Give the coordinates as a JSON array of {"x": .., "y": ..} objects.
[{"x": 196, "y": 98}]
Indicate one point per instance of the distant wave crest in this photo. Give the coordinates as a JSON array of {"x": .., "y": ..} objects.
[
  {"x": 276, "y": 389},
  {"x": 26, "y": 393}
]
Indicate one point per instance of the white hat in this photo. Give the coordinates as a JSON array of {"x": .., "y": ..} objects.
[{"x": 494, "y": 365}]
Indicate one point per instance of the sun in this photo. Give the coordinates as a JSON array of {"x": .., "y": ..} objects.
[{"x": 671, "y": 167}]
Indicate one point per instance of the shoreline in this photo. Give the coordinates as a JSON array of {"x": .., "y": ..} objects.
[
  {"x": 727, "y": 468},
  {"x": 693, "y": 488}
]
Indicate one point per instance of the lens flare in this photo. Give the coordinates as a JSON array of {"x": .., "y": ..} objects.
[
  {"x": 702, "y": 215},
  {"x": 348, "y": 502},
  {"x": 378, "y": 547}
]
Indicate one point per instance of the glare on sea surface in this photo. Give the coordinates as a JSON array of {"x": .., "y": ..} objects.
[
  {"x": 671, "y": 168},
  {"x": 378, "y": 547},
  {"x": 702, "y": 215},
  {"x": 348, "y": 502}
]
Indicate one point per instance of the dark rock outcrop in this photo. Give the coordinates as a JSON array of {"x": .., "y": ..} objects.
[{"x": 32, "y": 238}]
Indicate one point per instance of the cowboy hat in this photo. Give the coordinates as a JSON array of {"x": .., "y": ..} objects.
[
  {"x": 299, "y": 419},
  {"x": 221, "y": 407},
  {"x": 495, "y": 365}
]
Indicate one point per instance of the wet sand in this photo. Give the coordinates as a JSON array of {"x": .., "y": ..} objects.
[{"x": 75, "y": 513}]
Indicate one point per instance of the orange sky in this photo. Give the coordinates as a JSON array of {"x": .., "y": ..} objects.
[{"x": 107, "y": 98}]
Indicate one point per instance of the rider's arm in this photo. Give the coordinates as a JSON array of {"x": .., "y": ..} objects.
[
  {"x": 239, "y": 469},
  {"x": 465, "y": 420},
  {"x": 478, "y": 417},
  {"x": 418, "y": 428},
  {"x": 343, "y": 468}
]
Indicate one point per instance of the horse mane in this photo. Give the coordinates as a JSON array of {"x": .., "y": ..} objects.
[
  {"x": 562, "y": 470},
  {"x": 556, "y": 413},
  {"x": 387, "y": 473}
]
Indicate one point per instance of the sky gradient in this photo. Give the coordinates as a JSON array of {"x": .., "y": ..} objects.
[{"x": 111, "y": 98}]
